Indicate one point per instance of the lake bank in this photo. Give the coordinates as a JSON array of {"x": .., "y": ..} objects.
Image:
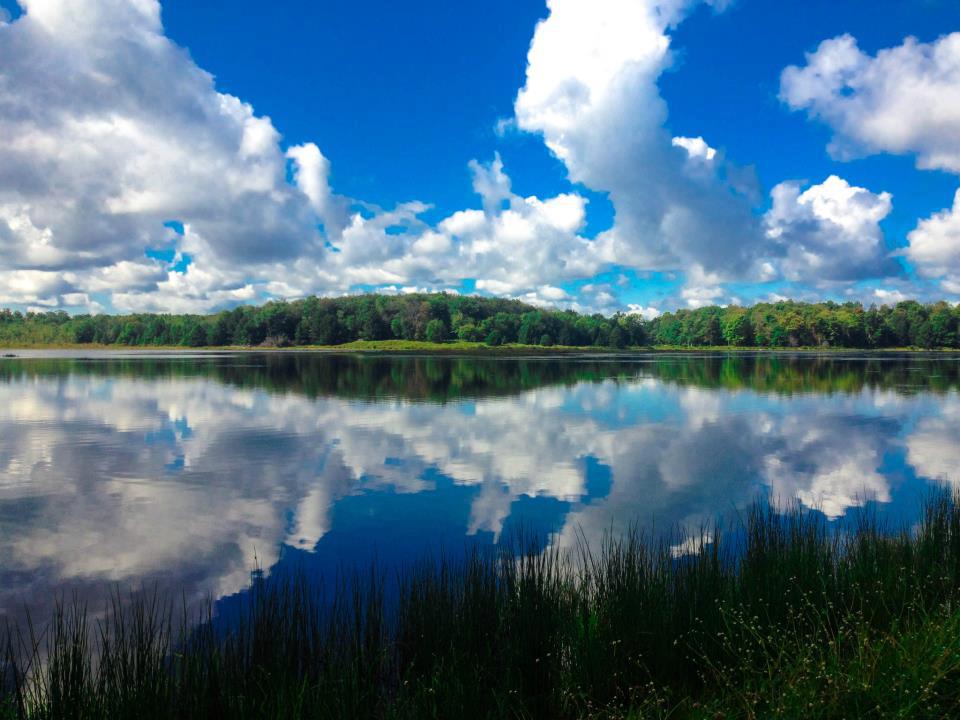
[{"x": 780, "y": 616}]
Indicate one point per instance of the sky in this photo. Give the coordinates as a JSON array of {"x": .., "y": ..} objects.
[{"x": 601, "y": 155}]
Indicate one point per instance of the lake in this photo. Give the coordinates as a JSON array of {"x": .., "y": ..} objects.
[{"x": 188, "y": 471}]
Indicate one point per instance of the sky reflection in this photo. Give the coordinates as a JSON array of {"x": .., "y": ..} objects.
[{"x": 188, "y": 472}]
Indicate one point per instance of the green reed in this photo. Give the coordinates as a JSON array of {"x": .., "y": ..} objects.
[{"x": 781, "y": 615}]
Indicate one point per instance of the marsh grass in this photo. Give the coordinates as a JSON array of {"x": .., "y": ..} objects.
[{"x": 781, "y": 615}]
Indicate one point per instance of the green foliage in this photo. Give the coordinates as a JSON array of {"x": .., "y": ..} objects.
[
  {"x": 791, "y": 324},
  {"x": 436, "y": 331},
  {"x": 442, "y": 317},
  {"x": 779, "y": 616}
]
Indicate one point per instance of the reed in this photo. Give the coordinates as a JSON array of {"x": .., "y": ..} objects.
[{"x": 781, "y": 615}]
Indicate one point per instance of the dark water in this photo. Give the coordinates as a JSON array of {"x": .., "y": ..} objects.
[{"x": 189, "y": 470}]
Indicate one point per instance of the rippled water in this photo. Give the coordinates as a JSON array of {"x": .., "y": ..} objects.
[{"x": 190, "y": 470}]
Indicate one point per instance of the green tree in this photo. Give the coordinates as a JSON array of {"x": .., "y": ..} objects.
[
  {"x": 469, "y": 333},
  {"x": 436, "y": 331},
  {"x": 197, "y": 336}
]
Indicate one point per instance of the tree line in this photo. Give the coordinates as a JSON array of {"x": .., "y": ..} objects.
[
  {"x": 828, "y": 324},
  {"x": 445, "y": 317}
]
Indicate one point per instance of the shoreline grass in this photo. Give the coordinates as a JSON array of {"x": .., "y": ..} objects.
[{"x": 780, "y": 617}]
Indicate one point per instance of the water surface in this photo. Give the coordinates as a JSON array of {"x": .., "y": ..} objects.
[{"x": 188, "y": 471}]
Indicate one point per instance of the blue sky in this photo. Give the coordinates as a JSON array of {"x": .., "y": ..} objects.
[{"x": 645, "y": 155}]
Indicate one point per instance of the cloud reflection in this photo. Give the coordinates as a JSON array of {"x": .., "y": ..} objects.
[{"x": 189, "y": 481}]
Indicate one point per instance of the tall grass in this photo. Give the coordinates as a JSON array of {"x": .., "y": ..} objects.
[{"x": 781, "y": 615}]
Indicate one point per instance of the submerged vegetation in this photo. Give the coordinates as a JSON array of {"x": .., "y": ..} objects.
[
  {"x": 781, "y": 616},
  {"x": 445, "y": 318}
]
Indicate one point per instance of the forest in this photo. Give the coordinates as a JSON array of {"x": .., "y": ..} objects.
[{"x": 442, "y": 317}]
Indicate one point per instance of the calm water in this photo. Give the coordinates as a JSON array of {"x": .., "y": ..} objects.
[{"x": 187, "y": 471}]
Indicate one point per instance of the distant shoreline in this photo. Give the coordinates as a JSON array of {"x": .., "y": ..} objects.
[{"x": 394, "y": 347}]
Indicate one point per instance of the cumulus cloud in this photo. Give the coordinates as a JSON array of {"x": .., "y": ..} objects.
[
  {"x": 698, "y": 296},
  {"x": 114, "y": 137},
  {"x": 696, "y": 148},
  {"x": 934, "y": 246},
  {"x": 703, "y": 288},
  {"x": 591, "y": 92},
  {"x": 111, "y": 131},
  {"x": 872, "y": 102},
  {"x": 888, "y": 296},
  {"x": 513, "y": 246},
  {"x": 647, "y": 312},
  {"x": 312, "y": 176},
  {"x": 829, "y": 231}
]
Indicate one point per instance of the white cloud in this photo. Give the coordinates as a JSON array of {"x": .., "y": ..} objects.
[
  {"x": 703, "y": 288},
  {"x": 32, "y": 286},
  {"x": 934, "y": 246},
  {"x": 904, "y": 99},
  {"x": 696, "y": 148},
  {"x": 110, "y": 131},
  {"x": 206, "y": 160},
  {"x": 140, "y": 276},
  {"x": 888, "y": 297},
  {"x": 515, "y": 245},
  {"x": 547, "y": 295},
  {"x": 698, "y": 296},
  {"x": 829, "y": 231},
  {"x": 312, "y": 176},
  {"x": 646, "y": 312},
  {"x": 491, "y": 184},
  {"x": 591, "y": 92}
]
